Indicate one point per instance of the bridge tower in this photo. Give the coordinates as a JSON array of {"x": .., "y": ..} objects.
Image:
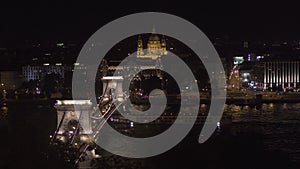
[
  {"x": 112, "y": 88},
  {"x": 68, "y": 119}
]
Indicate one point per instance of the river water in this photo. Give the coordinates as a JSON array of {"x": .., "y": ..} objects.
[
  {"x": 278, "y": 123},
  {"x": 265, "y": 136}
]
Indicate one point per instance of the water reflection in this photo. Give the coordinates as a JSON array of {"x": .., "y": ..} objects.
[{"x": 278, "y": 123}]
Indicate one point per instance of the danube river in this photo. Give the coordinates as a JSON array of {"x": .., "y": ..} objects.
[{"x": 265, "y": 136}]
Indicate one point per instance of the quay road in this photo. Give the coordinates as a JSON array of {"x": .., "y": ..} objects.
[{"x": 239, "y": 98}]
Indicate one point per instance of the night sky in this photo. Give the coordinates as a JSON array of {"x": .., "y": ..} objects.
[{"x": 76, "y": 21}]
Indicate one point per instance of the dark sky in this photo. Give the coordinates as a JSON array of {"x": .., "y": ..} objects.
[{"x": 78, "y": 20}]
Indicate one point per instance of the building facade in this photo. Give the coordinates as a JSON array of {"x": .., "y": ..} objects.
[
  {"x": 37, "y": 72},
  {"x": 281, "y": 74},
  {"x": 155, "y": 47}
]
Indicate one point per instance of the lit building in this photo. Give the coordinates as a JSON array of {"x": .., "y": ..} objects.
[
  {"x": 31, "y": 72},
  {"x": 246, "y": 44},
  {"x": 238, "y": 60},
  {"x": 245, "y": 75},
  {"x": 281, "y": 74},
  {"x": 147, "y": 60},
  {"x": 37, "y": 72},
  {"x": 155, "y": 47},
  {"x": 251, "y": 57}
]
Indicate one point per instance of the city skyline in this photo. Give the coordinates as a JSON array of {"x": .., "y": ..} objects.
[{"x": 216, "y": 85}]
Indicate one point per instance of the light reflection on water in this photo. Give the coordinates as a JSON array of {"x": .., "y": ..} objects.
[
  {"x": 268, "y": 113},
  {"x": 279, "y": 123}
]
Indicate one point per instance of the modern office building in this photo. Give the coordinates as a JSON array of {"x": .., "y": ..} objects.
[{"x": 281, "y": 74}]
